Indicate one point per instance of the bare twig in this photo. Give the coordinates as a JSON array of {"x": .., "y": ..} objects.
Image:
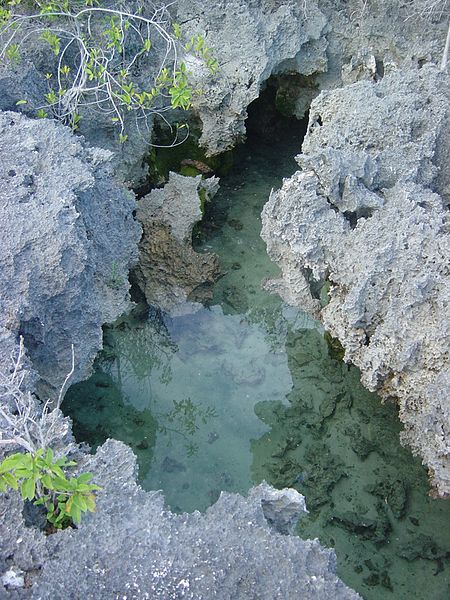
[
  {"x": 26, "y": 422},
  {"x": 69, "y": 375},
  {"x": 101, "y": 76}
]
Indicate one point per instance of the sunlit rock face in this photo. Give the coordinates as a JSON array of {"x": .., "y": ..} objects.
[{"x": 366, "y": 212}]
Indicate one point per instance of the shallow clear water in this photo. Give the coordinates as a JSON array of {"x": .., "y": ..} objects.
[{"x": 247, "y": 389}]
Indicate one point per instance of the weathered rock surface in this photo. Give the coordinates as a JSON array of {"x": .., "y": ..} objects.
[
  {"x": 323, "y": 43},
  {"x": 68, "y": 241},
  {"x": 170, "y": 271},
  {"x": 133, "y": 548},
  {"x": 308, "y": 46},
  {"x": 251, "y": 40},
  {"x": 366, "y": 211}
]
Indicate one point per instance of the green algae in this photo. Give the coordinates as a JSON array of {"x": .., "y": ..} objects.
[{"x": 165, "y": 157}]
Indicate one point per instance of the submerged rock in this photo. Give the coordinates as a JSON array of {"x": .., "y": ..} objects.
[
  {"x": 170, "y": 272},
  {"x": 389, "y": 284},
  {"x": 392, "y": 491},
  {"x": 423, "y": 546},
  {"x": 372, "y": 529}
]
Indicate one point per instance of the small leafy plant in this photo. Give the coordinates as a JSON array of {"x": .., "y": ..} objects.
[
  {"x": 42, "y": 480},
  {"x": 106, "y": 47}
]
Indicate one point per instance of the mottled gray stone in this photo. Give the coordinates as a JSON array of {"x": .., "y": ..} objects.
[
  {"x": 27, "y": 81},
  {"x": 68, "y": 241},
  {"x": 133, "y": 548},
  {"x": 170, "y": 271},
  {"x": 13, "y": 579},
  {"x": 251, "y": 40},
  {"x": 367, "y": 212}
]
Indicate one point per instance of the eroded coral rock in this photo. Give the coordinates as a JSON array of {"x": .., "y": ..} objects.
[
  {"x": 367, "y": 213},
  {"x": 251, "y": 41},
  {"x": 68, "y": 241},
  {"x": 133, "y": 547},
  {"x": 170, "y": 271}
]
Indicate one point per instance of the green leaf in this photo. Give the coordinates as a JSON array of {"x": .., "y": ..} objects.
[
  {"x": 72, "y": 484},
  {"x": 83, "y": 487},
  {"x": 51, "y": 516},
  {"x": 61, "y": 484},
  {"x": 68, "y": 505},
  {"x": 176, "y": 30},
  {"x": 53, "y": 41},
  {"x": 57, "y": 471},
  {"x": 63, "y": 462},
  {"x": 12, "y": 53},
  {"x": 51, "y": 97},
  {"x": 13, "y": 461},
  {"x": 75, "y": 513},
  {"x": 20, "y": 102},
  {"x": 60, "y": 517},
  {"x": 23, "y": 473},
  {"x": 27, "y": 489},
  {"x": 84, "y": 478},
  {"x": 47, "y": 481},
  {"x": 80, "y": 501},
  {"x": 11, "y": 481}
]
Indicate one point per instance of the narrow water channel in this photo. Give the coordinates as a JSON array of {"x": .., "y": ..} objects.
[{"x": 248, "y": 389}]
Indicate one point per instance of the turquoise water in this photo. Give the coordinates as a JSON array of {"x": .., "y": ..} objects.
[{"x": 247, "y": 389}]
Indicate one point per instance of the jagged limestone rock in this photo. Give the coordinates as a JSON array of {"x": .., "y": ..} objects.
[
  {"x": 133, "y": 547},
  {"x": 251, "y": 41},
  {"x": 170, "y": 271},
  {"x": 68, "y": 241},
  {"x": 367, "y": 212}
]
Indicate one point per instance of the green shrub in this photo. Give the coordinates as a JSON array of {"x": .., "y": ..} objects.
[
  {"x": 97, "y": 52},
  {"x": 42, "y": 479}
]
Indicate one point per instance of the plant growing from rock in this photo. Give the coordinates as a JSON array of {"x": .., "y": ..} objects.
[
  {"x": 42, "y": 480},
  {"x": 38, "y": 472},
  {"x": 99, "y": 51}
]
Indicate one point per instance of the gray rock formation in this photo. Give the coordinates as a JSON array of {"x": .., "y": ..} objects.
[
  {"x": 367, "y": 213},
  {"x": 133, "y": 548},
  {"x": 321, "y": 43},
  {"x": 251, "y": 41},
  {"x": 68, "y": 242},
  {"x": 170, "y": 272},
  {"x": 308, "y": 46}
]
